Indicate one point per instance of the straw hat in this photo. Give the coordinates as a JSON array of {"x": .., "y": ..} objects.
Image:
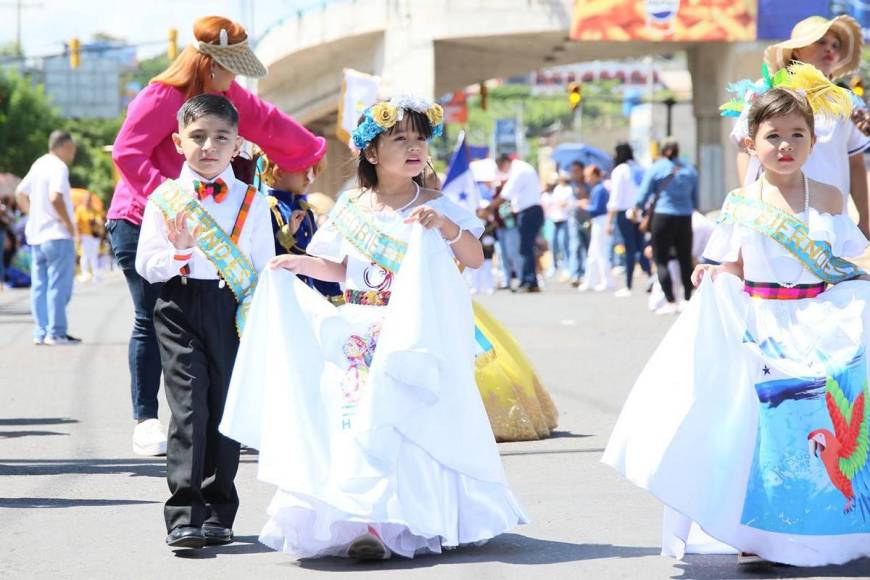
[
  {"x": 811, "y": 29},
  {"x": 237, "y": 58}
]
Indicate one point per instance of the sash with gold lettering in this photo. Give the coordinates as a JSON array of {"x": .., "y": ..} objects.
[
  {"x": 360, "y": 230},
  {"x": 791, "y": 233},
  {"x": 233, "y": 265}
]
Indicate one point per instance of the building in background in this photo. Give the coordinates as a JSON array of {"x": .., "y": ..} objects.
[{"x": 96, "y": 89}]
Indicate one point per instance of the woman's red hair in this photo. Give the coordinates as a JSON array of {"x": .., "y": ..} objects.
[{"x": 191, "y": 69}]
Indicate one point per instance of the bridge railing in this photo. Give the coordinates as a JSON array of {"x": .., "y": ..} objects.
[{"x": 302, "y": 8}]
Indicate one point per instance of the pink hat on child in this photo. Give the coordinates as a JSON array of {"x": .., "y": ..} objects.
[{"x": 289, "y": 145}]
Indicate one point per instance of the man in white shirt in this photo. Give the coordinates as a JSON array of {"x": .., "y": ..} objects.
[
  {"x": 523, "y": 190},
  {"x": 44, "y": 194}
]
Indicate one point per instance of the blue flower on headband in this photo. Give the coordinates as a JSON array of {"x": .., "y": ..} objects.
[
  {"x": 382, "y": 116},
  {"x": 366, "y": 131}
]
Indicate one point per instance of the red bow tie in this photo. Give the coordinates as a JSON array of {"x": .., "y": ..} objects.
[{"x": 217, "y": 189}]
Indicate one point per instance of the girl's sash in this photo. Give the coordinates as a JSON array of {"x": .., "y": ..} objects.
[
  {"x": 218, "y": 246},
  {"x": 791, "y": 233},
  {"x": 360, "y": 230},
  {"x": 387, "y": 252}
]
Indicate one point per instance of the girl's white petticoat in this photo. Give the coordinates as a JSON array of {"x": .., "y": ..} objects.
[
  {"x": 730, "y": 424},
  {"x": 369, "y": 415}
]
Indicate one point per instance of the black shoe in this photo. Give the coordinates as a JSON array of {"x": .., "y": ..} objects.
[
  {"x": 186, "y": 537},
  {"x": 216, "y": 535},
  {"x": 529, "y": 289}
]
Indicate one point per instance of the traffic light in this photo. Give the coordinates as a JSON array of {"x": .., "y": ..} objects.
[
  {"x": 575, "y": 95},
  {"x": 172, "y": 49},
  {"x": 856, "y": 83},
  {"x": 75, "y": 53}
]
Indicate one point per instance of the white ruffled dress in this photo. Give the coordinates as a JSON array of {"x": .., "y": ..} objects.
[
  {"x": 731, "y": 424},
  {"x": 369, "y": 415}
]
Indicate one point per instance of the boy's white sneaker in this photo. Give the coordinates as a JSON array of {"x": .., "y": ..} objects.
[
  {"x": 622, "y": 293},
  {"x": 149, "y": 438}
]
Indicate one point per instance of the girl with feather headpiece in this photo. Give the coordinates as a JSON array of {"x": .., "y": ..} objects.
[
  {"x": 833, "y": 47},
  {"x": 760, "y": 443}
]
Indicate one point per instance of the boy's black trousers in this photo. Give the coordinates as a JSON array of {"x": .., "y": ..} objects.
[{"x": 195, "y": 324}]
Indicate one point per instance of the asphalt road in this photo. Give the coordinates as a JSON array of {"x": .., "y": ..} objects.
[{"x": 75, "y": 501}]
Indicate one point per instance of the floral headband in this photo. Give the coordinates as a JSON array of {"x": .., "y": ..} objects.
[{"x": 384, "y": 115}]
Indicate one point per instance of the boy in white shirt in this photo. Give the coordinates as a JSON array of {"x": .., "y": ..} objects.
[
  {"x": 206, "y": 235},
  {"x": 44, "y": 194}
]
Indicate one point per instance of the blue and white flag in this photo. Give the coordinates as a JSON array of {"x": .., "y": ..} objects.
[{"x": 459, "y": 185}]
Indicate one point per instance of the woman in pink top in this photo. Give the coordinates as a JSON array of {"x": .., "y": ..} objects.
[{"x": 146, "y": 156}]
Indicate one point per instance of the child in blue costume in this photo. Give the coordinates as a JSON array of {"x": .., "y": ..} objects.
[{"x": 293, "y": 222}]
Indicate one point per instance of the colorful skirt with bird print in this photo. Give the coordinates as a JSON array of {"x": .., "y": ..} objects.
[{"x": 750, "y": 422}]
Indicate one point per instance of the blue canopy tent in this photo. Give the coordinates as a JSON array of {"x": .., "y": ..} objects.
[{"x": 567, "y": 153}]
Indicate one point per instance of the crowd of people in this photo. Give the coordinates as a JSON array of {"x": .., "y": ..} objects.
[
  {"x": 269, "y": 328},
  {"x": 586, "y": 225}
]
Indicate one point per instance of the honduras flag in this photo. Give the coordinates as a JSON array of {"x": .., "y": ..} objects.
[{"x": 459, "y": 185}]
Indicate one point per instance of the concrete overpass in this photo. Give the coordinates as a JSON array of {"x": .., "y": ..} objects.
[{"x": 435, "y": 46}]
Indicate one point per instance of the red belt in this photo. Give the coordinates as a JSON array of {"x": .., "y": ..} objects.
[{"x": 773, "y": 291}]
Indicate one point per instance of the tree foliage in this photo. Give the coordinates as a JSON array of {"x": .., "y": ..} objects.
[
  {"x": 26, "y": 120},
  {"x": 541, "y": 114},
  {"x": 149, "y": 68},
  {"x": 92, "y": 168}
]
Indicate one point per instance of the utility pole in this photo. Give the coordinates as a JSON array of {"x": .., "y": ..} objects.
[{"x": 19, "y": 5}]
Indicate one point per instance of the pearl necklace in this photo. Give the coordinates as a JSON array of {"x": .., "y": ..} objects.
[
  {"x": 401, "y": 209},
  {"x": 806, "y": 211}
]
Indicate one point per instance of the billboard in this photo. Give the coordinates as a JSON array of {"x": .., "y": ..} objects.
[
  {"x": 777, "y": 17},
  {"x": 664, "y": 20}
]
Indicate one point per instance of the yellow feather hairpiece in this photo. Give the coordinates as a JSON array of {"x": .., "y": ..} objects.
[{"x": 824, "y": 97}]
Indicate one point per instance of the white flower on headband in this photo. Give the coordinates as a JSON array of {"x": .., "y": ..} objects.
[{"x": 410, "y": 102}]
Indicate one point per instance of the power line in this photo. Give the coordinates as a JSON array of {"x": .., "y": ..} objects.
[{"x": 85, "y": 48}]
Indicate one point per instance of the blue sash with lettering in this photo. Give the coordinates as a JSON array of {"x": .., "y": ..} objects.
[
  {"x": 233, "y": 265},
  {"x": 791, "y": 233},
  {"x": 358, "y": 229}
]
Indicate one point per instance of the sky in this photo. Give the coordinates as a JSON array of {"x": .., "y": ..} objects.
[{"x": 47, "y": 24}]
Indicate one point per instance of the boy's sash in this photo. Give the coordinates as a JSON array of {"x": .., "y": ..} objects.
[
  {"x": 791, "y": 233},
  {"x": 357, "y": 228},
  {"x": 218, "y": 246}
]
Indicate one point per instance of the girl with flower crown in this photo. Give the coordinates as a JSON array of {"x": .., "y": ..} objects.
[
  {"x": 750, "y": 422},
  {"x": 366, "y": 415}
]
